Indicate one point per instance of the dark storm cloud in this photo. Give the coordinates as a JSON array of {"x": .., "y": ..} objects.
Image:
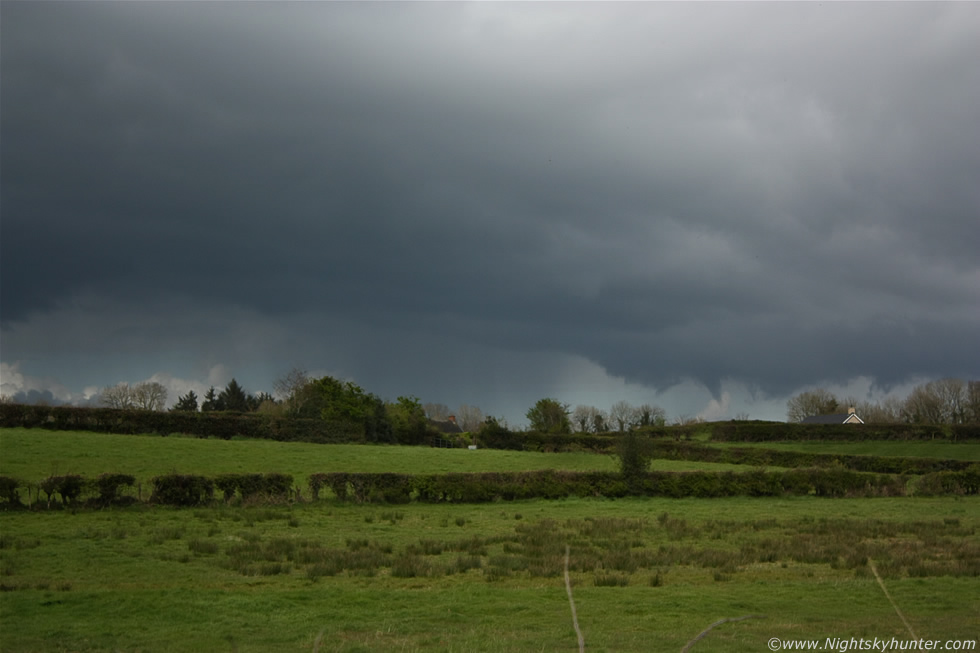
[{"x": 778, "y": 193}]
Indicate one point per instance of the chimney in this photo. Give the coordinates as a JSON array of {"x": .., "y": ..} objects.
[
  {"x": 452, "y": 418},
  {"x": 850, "y": 410}
]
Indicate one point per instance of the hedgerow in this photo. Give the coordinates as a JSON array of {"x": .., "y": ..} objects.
[
  {"x": 509, "y": 486},
  {"x": 247, "y": 486},
  {"x": 385, "y": 488},
  {"x": 182, "y": 490},
  {"x": 108, "y": 486}
]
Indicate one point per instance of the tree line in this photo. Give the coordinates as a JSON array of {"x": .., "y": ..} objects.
[
  {"x": 328, "y": 399},
  {"x": 300, "y": 396},
  {"x": 944, "y": 401},
  {"x": 552, "y": 416}
]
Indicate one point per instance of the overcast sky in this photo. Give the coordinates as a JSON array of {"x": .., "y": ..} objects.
[{"x": 703, "y": 206}]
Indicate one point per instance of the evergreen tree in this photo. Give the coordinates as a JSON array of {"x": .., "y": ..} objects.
[
  {"x": 187, "y": 402},
  {"x": 211, "y": 401},
  {"x": 233, "y": 398}
]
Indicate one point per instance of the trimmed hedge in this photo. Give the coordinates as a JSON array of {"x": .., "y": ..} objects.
[
  {"x": 108, "y": 486},
  {"x": 774, "y": 458},
  {"x": 222, "y": 425},
  {"x": 486, "y": 487},
  {"x": 182, "y": 490},
  {"x": 189, "y": 490}
]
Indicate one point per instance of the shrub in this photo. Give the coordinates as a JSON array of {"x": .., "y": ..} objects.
[
  {"x": 247, "y": 486},
  {"x": 611, "y": 580},
  {"x": 108, "y": 486},
  {"x": 182, "y": 490},
  {"x": 634, "y": 454},
  {"x": 316, "y": 482},
  {"x": 8, "y": 491},
  {"x": 69, "y": 487}
]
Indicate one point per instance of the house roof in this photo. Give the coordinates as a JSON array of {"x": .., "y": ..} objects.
[
  {"x": 447, "y": 426},
  {"x": 836, "y": 418}
]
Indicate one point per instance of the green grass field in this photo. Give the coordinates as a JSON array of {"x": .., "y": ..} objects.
[
  {"x": 647, "y": 574},
  {"x": 900, "y": 449},
  {"x": 35, "y": 454}
]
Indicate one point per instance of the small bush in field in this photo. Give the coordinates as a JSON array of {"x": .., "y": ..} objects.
[
  {"x": 69, "y": 487},
  {"x": 410, "y": 566},
  {"x": 182, "y": 490},
  {"x": 8, "y": 491},
  {"x": 108, "y": 486},
  {"x": 611, "y": 580}
]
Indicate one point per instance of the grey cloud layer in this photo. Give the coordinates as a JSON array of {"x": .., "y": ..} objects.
[{"x": 781, "y": 193}]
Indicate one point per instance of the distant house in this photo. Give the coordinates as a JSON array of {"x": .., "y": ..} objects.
[
  {"x": 850, "y": 417},
  {"x": 448, "y": 426}
]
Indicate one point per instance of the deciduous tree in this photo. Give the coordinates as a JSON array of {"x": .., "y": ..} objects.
[
  {"x": 436, "y": 411},
  {"x": 810, "y": 403},
  {"x": 648, "y": 415},
  {"x": 117, "y": 396},
  {"x": 623, "y": 415},
  {"x": 149, "y": 395},
  {"x": 584, "y": 417},
  {"x": 549, "y": 416},
  {"x": 470, "y": 418},
  {"x": 938, "y": 402},
  {"x": 635, "y": 453}
]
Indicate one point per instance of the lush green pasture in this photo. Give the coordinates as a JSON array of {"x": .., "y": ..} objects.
[
  {"x": 904, "y": 449},
  {"x": 647, "y": 575},
  {"x": 34, "y": 454}
]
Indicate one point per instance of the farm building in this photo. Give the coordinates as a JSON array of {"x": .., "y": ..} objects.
[{"x": 850, "y": 417}]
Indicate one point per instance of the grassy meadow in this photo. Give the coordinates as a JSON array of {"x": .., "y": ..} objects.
[
  {"x": 35, "y": 454},
  {"x": 897, "y": 449},
  {"x": 647, "y": 574}
]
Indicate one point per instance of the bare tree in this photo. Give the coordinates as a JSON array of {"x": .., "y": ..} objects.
[
  {"x": 952, "y": 399},
  {"x": 921, "y": 407},
  {"x": 973, "y": 402},
  {"x": 647, "y": 415},
  {"x": 117, "y": 396},
  {"x": 887, "y": 411},
  {"x": 584, "y": 417},
  {"x": 937, "y": 402},
  {"x": 623, "y": 414},
  {"x": 286, "y": 386},
  {"x": 470, "y": 418},
  {"x": 438, "y": 412},
  {"x": 810, "y": 403},
  {"x": 600, "y": 422},
  {"x": 149, "y": 395},
  {"x": 290, "y": 389}
]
